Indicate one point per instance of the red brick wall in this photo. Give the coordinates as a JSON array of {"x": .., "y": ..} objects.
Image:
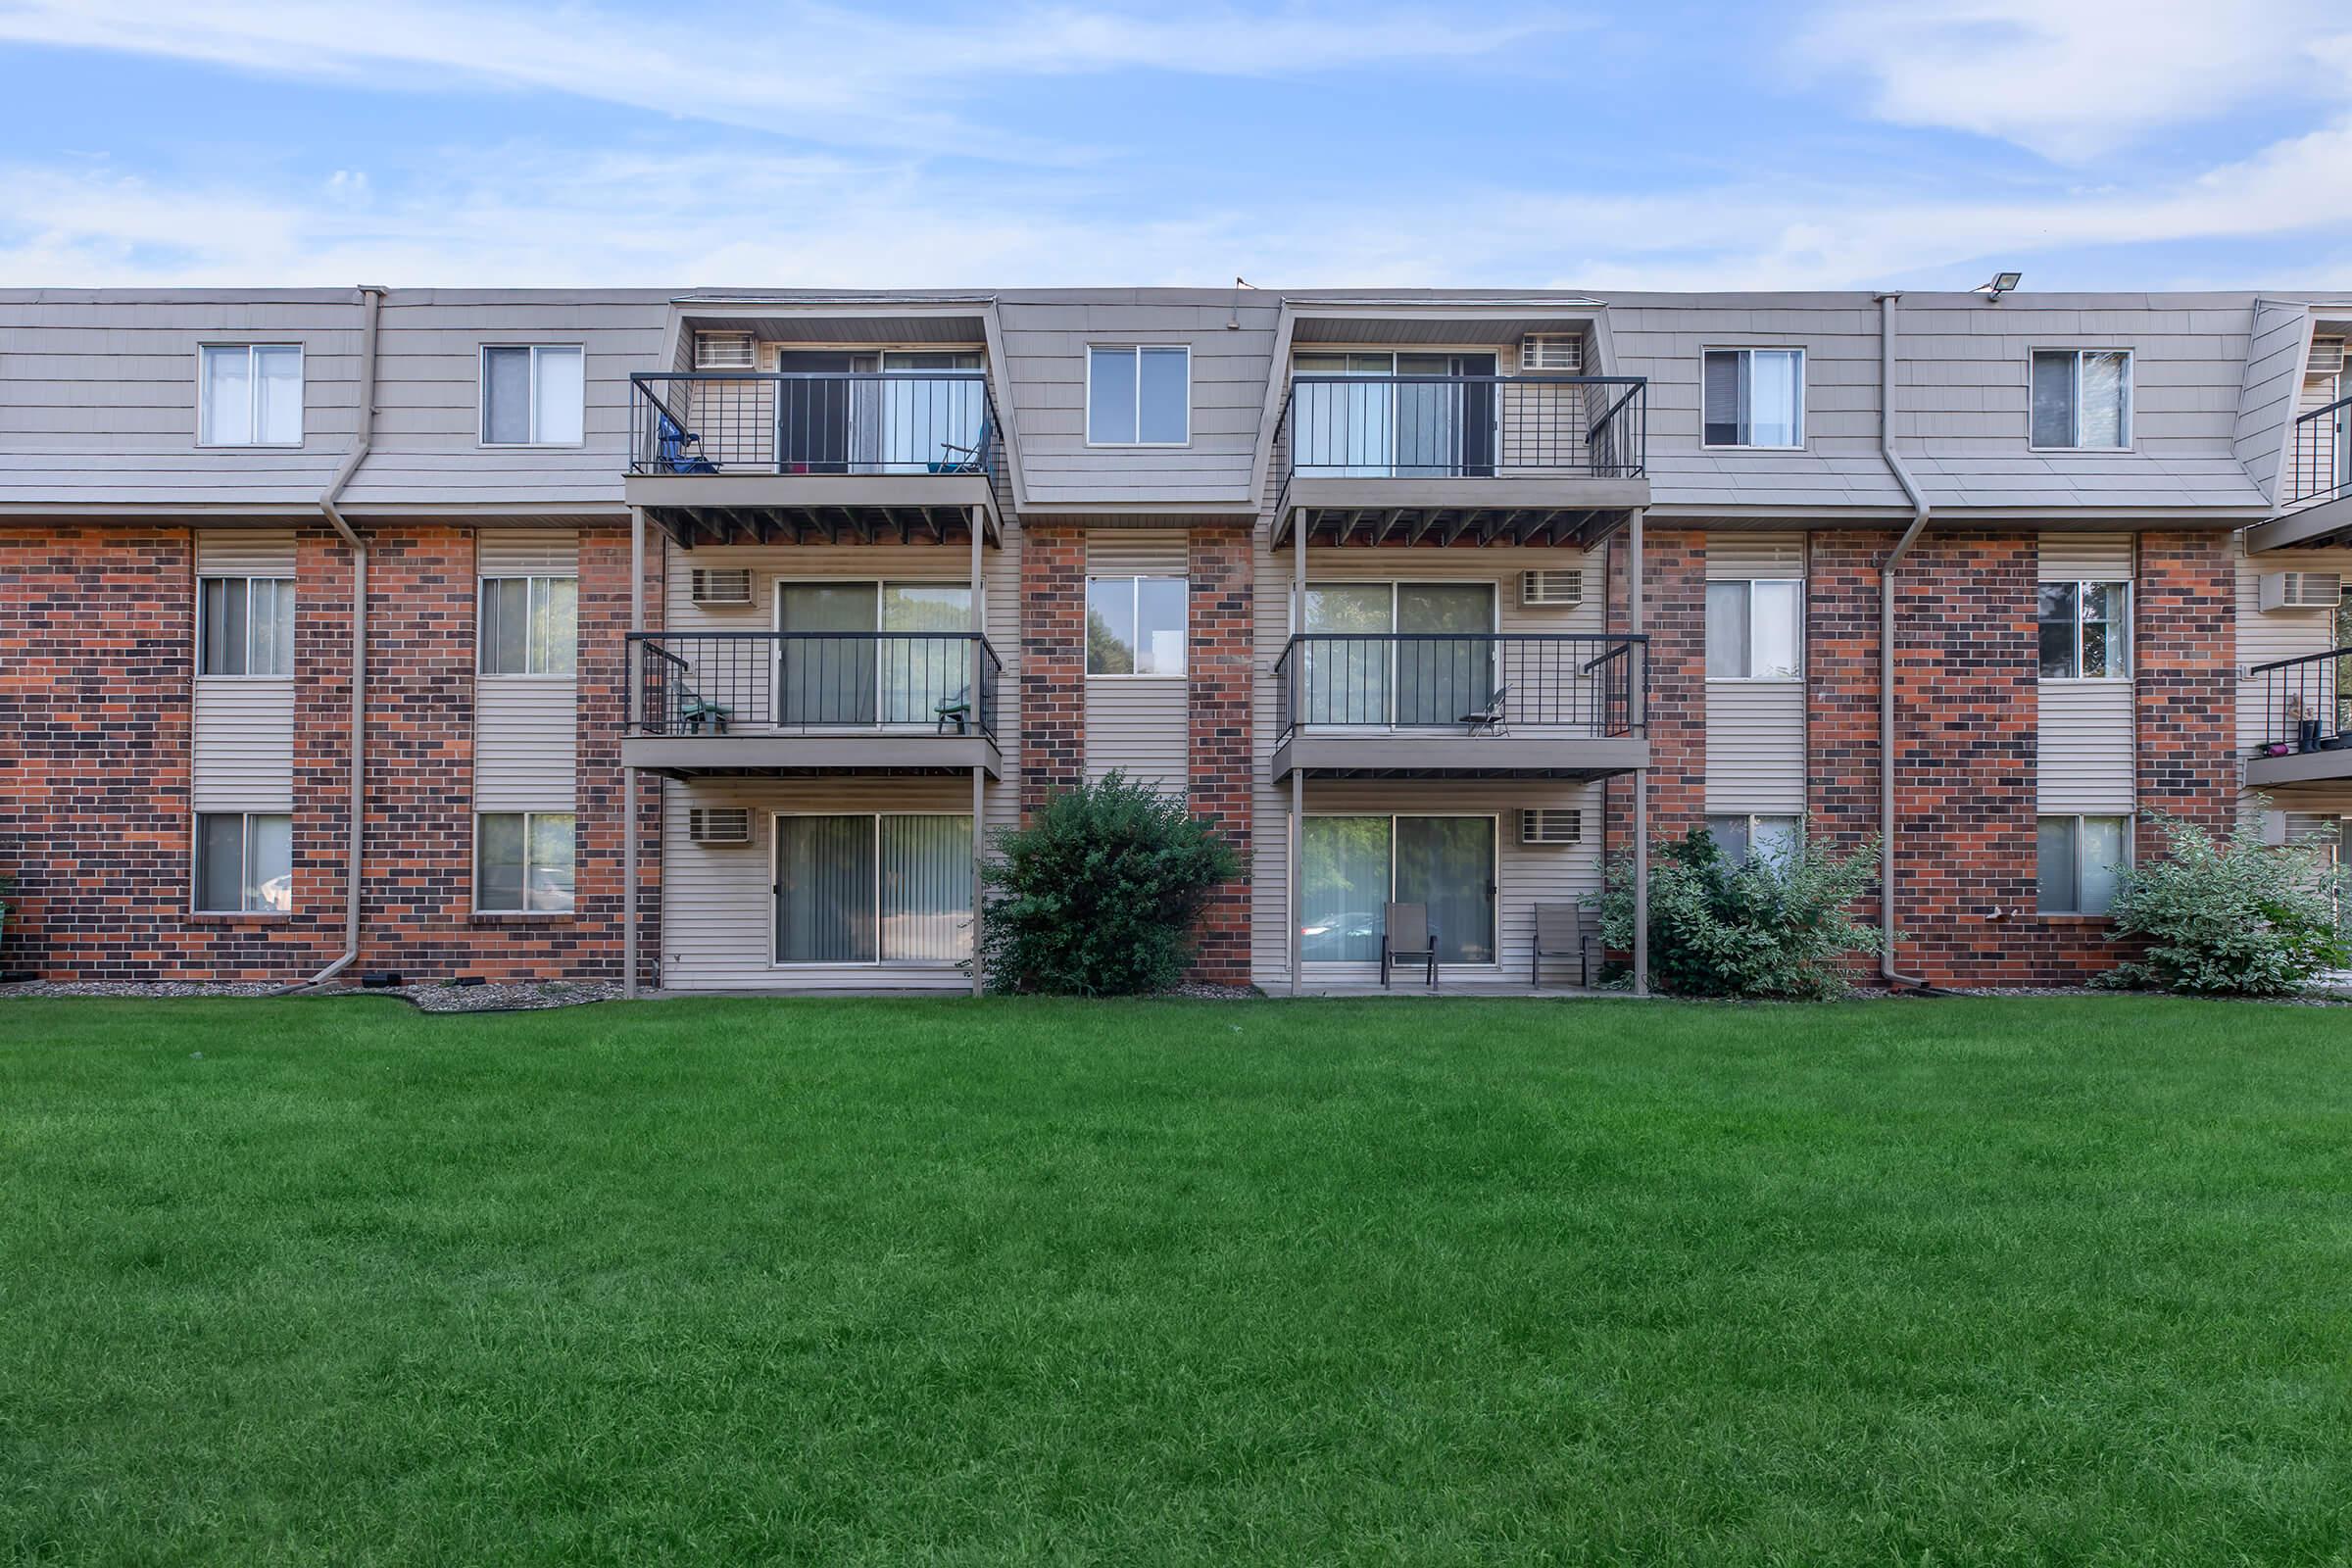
[
  {"x": 1220, "y": 636},
  {"x": 2186, "y": 685},
  {"x": 94, "y": 765},
  {"x": 1053, "y": 662},
  {"x": 96, "y": 682}
]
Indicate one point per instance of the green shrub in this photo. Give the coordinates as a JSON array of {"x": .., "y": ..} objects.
[
  {"x": 1774, "y": 927},
  {"x": 2229, "y": 917},
  {"x": 1098, "y": 894}
]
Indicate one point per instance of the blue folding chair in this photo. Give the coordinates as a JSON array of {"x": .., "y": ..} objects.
[{"x": 678, "y": 450}]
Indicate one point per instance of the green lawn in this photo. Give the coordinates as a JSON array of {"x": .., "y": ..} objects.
[{"x": 1908, "y": 1282}]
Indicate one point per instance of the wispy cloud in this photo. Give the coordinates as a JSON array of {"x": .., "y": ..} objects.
[
  {"x": 817, "y": 73},
  {"x": 2076, "y": 79}
]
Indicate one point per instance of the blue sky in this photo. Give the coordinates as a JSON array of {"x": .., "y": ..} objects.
[{"x": 2093, "y": 143}]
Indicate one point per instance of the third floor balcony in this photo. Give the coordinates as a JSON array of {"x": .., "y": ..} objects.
[
  {"x": 785, "y": 456},
  {"x": 1393, "y": 457}
]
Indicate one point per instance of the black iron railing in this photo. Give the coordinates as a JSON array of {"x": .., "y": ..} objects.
[
  {"x": 1465, "y": 426},
  {"x": 789, "y": 683},
  {"x": 1554, "y": 683},
  {"x": 814, "y": 423},
  {"x": 2320, "y": 458},
  {"x": 2300, "y": 701}
]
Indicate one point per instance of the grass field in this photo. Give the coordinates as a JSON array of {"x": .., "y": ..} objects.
[{"x": 1951, "y": 1282}]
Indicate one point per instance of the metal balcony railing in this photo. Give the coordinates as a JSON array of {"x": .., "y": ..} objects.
[
  {"x": 767, "y": 684},
  {"x": 1553, "y": 683},
  {"x": 2319, "y": 458},
  {"x": 814, "y": 423},
  {"x": 1464, "y": 426},
  {"x": 2300, "y": 701}
]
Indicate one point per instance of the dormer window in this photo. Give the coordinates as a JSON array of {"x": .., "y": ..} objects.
[
  {"x": 249, "y": 395},
  {"x": 2082, "y": 399},
  {"x": 1756, "y": 397}
]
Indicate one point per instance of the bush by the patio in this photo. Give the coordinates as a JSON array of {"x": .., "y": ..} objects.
[
  {"x": 1776, "y": 927},
  {"x": 2230, "y": 915},
  {"x": 1098, "y": 894}
]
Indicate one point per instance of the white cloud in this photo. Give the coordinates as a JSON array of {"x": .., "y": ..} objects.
[
  {"x": 2073, "y": 79},
  {"x": 523, "y": 215},
  {"x": 812, "y": 72}
]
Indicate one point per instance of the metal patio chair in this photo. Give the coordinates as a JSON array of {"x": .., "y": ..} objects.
[{"x": 1406, "y": 934}]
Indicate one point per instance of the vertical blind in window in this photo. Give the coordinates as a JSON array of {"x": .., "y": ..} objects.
[
  {"x": 866, "y": 889},
  {"x": 530, "y": 625},
  {"x": 248, "y": 626}
]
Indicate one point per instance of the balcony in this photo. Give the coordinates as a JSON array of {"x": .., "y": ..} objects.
[
  {"x": 2316, "y": 492},
  {"x": 1547, "y": 459},
  {"x": 703, "y": 704},
  {"x": 2301, "y": 708},
  {"x": 1406, "y": 705},
  {"x": 830, "y": 456}
]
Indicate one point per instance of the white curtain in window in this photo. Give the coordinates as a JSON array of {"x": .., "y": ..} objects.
[
  {"x": 2105, "y": 389},
  {"x": 1344, "y": 880},
  {"x": 278, "y": 399},
  {"x": 1774, "y": 397},
  {"x": 1773, "y": 630}
]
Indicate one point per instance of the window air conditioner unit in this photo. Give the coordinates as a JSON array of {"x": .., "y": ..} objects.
[
  {"x": 1552, "y": 351},
  {"x": 723, "y": 585},
  {"x": 1551, "y": 588},
  {"x": 2326, "y": 357},
  {"x": 719, "y": 825},
  {"x": 1552, "y": 825},
  {"x": 722, "y": 351},
  {"x": 2301, "y": 590}
]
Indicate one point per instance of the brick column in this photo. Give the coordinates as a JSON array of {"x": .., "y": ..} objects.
[
  {"x": 1220, "y": 637},
  {"x": 2184, "y": 678},
  {"x": 1053, "y": 629},
  {"x": 1841, "y": 691}
]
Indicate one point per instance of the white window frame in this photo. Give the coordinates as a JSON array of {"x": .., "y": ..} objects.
[
  {"x": 2125, "y": 626},
  {"x": 244, "y": 863},
  {"x": 775, "y": 878},
  {"x": 1749, "y": 583},
  {"x": 253, "y": 391},
  {"x": 1751, "y": 349},
  {"x": 527, "y": 816},
  {"x": 482, "y": 398},
  {"x": 248, "y": 578},
  {"x": 1493, "y": 821},
  {"x": 2074, "y": 398},
  {"x": 2078, "y": 819},
  {"x": 1748, "y": 856},
  {"x": 1136, "y": 350},
  {"x": 1135, "y": 610},
  {"x": 481, "y": 644}
]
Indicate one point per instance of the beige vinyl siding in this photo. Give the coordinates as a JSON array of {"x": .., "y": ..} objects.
[
  {"x": 717, "y": 904},
  {"x": 243, "y": 747},
  {"x": 2086, "y": 754},
  {"x": 525, "y": 727},
  {"x": 1139, "y": 725},
  {"x": 1757, "y": 729},
  {"x": 2313, "y": 465},
  {"x": 1525, "y": 875},
  {"x": 2086, "y": 558},
  {"x": 2264, "y": 639},
  {"x": 2085, "y": 761}
]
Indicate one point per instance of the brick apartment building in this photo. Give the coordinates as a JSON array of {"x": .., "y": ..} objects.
[{"x": 771, "y": 605}]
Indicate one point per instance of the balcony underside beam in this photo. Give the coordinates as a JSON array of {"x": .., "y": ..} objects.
[
  {"x": 693, "y": 527},
  {"x": 1580, "y": 527}
]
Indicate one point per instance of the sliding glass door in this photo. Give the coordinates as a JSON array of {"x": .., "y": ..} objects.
[
  {"x": 1411, "y": 427},
  {"x": 1441, "y": 671},
  {"x": 1351, "y": 866},
  {"x": 860, "y": 889},
  {"x": 924, "y": 423},
  {"x": 920, "y": 660}
]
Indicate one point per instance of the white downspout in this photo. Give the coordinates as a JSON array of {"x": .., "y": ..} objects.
[
  {"x": 374, "y": 294},
  {"x": 1902, "y": 547}
]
